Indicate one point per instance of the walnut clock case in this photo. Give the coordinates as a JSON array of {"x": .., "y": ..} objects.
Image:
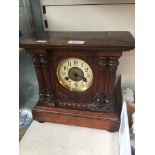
[{"x": 76, "y": 73}]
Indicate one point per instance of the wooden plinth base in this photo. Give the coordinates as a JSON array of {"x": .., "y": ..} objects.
[{"x": 100, "y": 120}]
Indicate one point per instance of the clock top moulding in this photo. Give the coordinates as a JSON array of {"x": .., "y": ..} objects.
[
  {"x": 104, "y": 48},
  {"x": 109, "y": 40}
]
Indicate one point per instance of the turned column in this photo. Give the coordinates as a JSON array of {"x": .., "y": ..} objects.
[
  {"x": 47, "y": 78},
  {"x": 39, "y": 74},
  {"x": 42, "y": 67},
  {"x": 112, "y": 64},
  {"x": 107, "y": 67}
]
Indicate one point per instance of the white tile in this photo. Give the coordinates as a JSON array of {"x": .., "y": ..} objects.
[{"x": 58, "y": 139}]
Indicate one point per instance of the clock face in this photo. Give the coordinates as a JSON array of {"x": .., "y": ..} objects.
[{"x": 74, "y": 74}]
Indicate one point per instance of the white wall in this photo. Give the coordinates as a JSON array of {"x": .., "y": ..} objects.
[{"x": 113, "y": 17}]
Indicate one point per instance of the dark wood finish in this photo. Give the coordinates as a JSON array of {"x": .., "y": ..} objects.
[
  {"x": 39, "y": 74},
  {"x": 107, "y": 121},
  {"x": 109, "y": 41},
  {"x": 101, "y": 51},
  {"x": 117, "y": 93}
]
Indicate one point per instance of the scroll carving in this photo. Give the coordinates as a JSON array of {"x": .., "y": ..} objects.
[
  {"x": 36, "y": 60},
  {"x": 110, "y": 62},
  {"x": 101, "y": 102},
  {"x": 44, "y": 60},
  {"x": 113, "y": 63},
  {"x": 102, "y": 61}
]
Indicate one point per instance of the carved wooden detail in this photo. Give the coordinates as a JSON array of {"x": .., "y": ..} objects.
[
  {"x": 41, "y": 64},
  {"x": 73, "y": 105},
  {"x": 102, "y": 61},
  {"x": 110, "y": 62},
  {"x": 39, "y": 74},
  {"x": 102, "y": 102},
  {"x": 44, "y": 60},
  {"x": 47, "y": 77},
  {"x": 113, "y": 63}
]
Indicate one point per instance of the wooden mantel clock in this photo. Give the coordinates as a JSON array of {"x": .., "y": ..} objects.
[{"x": 76, "y": 73}]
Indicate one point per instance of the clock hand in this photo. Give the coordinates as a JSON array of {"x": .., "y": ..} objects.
[
  {"x": 75, "y": 75},
  {"x": 84, "y": 79},
  {"x": 66, "y": 78}
]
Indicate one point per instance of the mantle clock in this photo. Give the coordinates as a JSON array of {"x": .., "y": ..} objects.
[{"x": 76, "y": 73}]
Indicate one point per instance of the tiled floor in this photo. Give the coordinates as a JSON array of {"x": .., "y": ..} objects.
[{"x": 58, "y": 139}]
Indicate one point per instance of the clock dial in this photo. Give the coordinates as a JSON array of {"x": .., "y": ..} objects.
[{"x": 74, "y": 74}]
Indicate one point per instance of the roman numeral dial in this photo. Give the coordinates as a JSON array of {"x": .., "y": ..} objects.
[{"x": 74, "y": 74}]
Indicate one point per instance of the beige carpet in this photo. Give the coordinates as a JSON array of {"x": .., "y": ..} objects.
[{"x": 58, "y": 139}]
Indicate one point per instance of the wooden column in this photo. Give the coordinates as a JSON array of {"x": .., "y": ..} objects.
[
  {"x": 112, "y": 63},
  {"x": 39, "y": 74},
  {"x": 107, "y": 66},
  {"x": 47, "y": 78},
  {"x": 42, "y": 67}
]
